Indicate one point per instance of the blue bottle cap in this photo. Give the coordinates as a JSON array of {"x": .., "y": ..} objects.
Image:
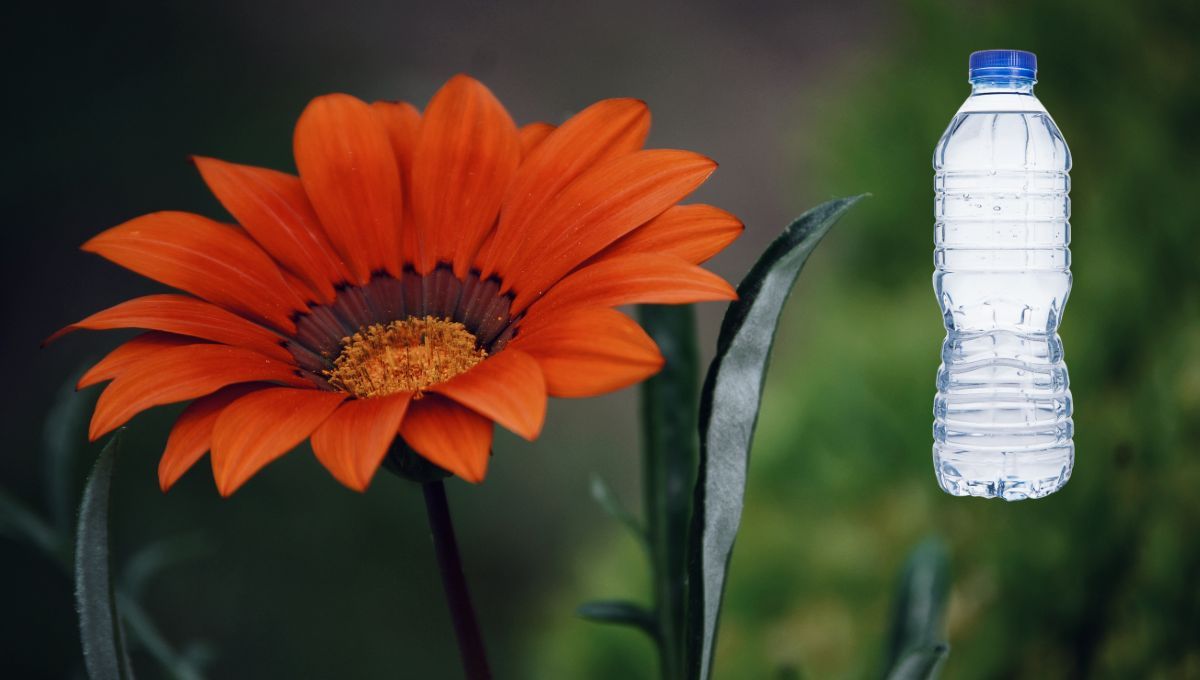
[{"x": 1003, "y": 64}]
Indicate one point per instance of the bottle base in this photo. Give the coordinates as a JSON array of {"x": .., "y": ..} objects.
[{"x": 995, "y": 473}]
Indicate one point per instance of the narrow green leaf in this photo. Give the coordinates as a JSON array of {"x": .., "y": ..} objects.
[
  {"x": 919, "y": 609},
  {"x": 670, "y": 451},
  {"x": 608, "y": 501},
  {"x": 104, "y": 650},
  {"x": 620, "y": 613},
  {"x": 729, "y": 404},
  {"x": 920, "y": 664}
]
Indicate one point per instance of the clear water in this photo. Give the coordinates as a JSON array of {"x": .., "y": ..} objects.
[{"x": 1002, "y": 416}]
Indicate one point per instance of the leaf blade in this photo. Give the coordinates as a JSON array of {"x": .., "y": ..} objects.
[
  {"x": 604, "y": 496},
  {"x": 920, "y": 664},
  {"x": 919, "y": 609},
  {"x": 104, "y": 650},
  {"x": 619, "y": 612},
  {"x": 729, "y": 404}
]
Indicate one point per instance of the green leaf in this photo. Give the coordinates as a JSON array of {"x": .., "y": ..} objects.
[
  {"x": 620, "y": 613},
  {"x": 729, "y": 404},
  {"x": 670, "y": 453},
  {"x": 104, "y": 650},
  {"x": 919, "y": 609},
  {"x": 920, "y": 664},
  {"x": 606, "y": 499}
]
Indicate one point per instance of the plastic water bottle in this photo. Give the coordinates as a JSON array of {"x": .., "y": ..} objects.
[{"x": 1002, "y": 416}]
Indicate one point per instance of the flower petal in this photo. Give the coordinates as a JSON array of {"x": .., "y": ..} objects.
[
  {"x": 354, "y": 440},
  {"x": 604, "y": 204},
  {"x": 448, "y": 435},
  {"x": 181, "y": 373},
  {"x": 403, "y": 123},
  {"x": 204, "y": 258},
  {"x": 531, "y": 135},
  {"x": 349, "y": 172},
  {"x": 130, "y": 353},
  {"x": 590, "y": 351},
  {"x": 693, "y": 232},
  {"x": 507, "y": 387},
  {"x": 185, "y": 316},
  {"x": 466, "y": 156},
  {"x": 647, "y": 278},
  {"x": 607, "y": 129},
  {"x": 191, "y": 436},
  {"x": 274, "y": 209},
  {"x": 262, "y": 426}
]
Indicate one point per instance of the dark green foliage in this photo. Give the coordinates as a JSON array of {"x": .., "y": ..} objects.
[
  {"x": 916, "y": 643},
  {"x": 100, "y": 625},
  {"x": 106, "y": 609},
  {"x": 920, "y": 663},
  {"x": 670, "y": 453},
  {"x": 621, "y": 613},
  {"x": 729, "y": 405}
]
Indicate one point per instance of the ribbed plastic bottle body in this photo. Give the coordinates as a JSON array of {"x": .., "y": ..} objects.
[{"x": 1002, "y": 415}]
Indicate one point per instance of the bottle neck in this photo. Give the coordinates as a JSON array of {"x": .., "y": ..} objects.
[{"x": 1002, "y": 85}]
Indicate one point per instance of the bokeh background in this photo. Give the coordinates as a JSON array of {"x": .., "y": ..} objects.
[{"x": 799, "y": 101}]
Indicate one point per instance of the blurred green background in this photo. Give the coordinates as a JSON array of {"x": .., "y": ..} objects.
[{"x": 799, "y": 102}]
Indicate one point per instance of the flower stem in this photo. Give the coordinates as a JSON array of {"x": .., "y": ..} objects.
[{"x": 462, "y": 613}]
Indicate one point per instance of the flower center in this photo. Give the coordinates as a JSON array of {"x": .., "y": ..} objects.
[{"x": 403, "y": 356}]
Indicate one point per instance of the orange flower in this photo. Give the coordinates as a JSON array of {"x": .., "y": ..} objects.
[{"x": 426, "y": 275}]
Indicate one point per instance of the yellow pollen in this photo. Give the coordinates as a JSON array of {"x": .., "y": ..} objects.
[{"x": 403, "y": 356}]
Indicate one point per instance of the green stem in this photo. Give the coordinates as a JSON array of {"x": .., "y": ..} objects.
[
  {"x": 454, "y": 582},
  {"x": 671, "y": 454}
]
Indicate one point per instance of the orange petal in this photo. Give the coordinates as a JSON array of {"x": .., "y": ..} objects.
[
  {"x": 531, "y": 135},
  {"x": 692, "y": 232},
  {"x": 180, "y": 373},
  {"x": 349, "y": 172},
  {"x": 185, "y": 316},
  {"x": 191, "y": 436},
  {"x": 465, "y": 158},
  {"x": 607, "y": 129},
  {"x": 451, "y": 436},
  {"x": 604, "y": 204},
  {"x": 354, "y": 440},
  {"x": 129, "y": 354},
  {"x": 625, "y": 279},
  {"x": 205, "y": 258},
  {"x": 590, "y": 351},
  {"x": 274, "y": 209},
  {"x": 507, "y": 387},
  {"x": 402, "y": 122},
  {"x": 262, "y": 426}
]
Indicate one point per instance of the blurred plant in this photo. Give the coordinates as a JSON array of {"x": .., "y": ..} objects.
[
  {"x": 690, "y": 539},
  {"x": 915, "y": 645},
  {"x": 107, "y": 606}
]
